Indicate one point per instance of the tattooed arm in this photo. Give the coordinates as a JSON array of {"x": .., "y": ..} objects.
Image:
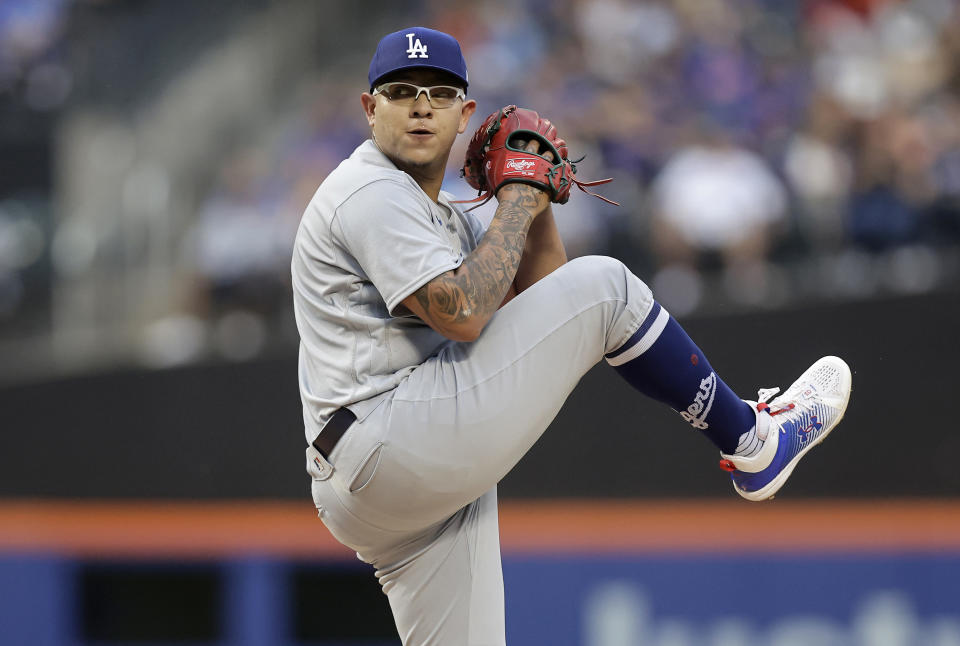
[{"x": 459, "y": 303}]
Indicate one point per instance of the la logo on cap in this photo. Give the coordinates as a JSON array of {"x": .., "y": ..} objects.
[{"x": 416, "y": 48}]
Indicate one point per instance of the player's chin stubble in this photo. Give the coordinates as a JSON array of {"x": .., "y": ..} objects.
[
  {"x": 401, "y": 161},
  {"x": 420, "y": 167}
]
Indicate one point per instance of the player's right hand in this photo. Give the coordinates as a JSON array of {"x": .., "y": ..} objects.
[{"x": 533, "y": 146}]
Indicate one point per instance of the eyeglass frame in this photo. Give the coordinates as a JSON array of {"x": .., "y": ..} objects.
[{"x": 421, "y": 89}]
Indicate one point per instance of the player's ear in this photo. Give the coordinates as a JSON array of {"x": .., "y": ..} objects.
[
  {"x": 369, "y": 103},
  {"x": 466, "y": 111}
]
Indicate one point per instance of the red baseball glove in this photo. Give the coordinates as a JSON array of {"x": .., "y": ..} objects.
[{"x": 495, "y": 157}]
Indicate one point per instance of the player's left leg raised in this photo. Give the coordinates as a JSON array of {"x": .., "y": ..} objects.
[{"x": 760, "y": 443}]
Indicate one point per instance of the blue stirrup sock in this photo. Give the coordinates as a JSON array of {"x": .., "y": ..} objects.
[{"x": 662, "y": 362}]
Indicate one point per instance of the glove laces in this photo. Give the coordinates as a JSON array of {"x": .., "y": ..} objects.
[
  {"x": 596, "y": 182},
  {"x": 487, "y": 195}
]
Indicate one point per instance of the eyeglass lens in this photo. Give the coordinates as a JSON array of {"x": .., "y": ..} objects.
[{"x": 439, "y": 96}]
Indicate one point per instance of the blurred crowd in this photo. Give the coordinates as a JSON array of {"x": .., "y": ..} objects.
[
  {"x": 33, "y": 85},
  {"x": 29, "y": 30},
  {"x": 743, "y": 136},
  {"x": 761, "y": 149}
]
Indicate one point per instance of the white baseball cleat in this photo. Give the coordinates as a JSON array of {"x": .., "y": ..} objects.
[{"x": 790, "y": 426}]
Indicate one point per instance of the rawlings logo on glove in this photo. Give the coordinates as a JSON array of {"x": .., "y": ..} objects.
[
  {"x": 494, "y": 157},
  {"x": 519, "y": 166}
]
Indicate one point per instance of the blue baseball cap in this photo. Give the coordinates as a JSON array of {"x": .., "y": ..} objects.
[{"x": 417, "y": 47}]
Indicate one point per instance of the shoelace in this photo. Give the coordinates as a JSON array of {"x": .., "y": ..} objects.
[{"x": 764, "y": 395}]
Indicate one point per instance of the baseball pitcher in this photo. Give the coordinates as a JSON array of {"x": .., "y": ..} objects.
[{"x": 434, "y": 351}]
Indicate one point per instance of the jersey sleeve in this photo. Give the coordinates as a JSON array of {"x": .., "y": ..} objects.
[
  {"x": 476, "y": 226},
  {"x": 395, "y": 238},
  {"x": 473, "y": 224}
]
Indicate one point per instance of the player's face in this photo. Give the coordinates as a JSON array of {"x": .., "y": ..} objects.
[{"x": 416, "y": 136}]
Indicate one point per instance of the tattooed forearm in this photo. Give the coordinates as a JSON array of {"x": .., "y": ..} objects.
[{"x": 475, "y": 290}]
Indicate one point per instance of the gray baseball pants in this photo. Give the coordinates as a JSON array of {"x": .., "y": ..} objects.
[{"x": 412, "y": 486}]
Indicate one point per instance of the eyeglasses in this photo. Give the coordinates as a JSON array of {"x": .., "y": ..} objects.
[{"x": 439, "y": 96}]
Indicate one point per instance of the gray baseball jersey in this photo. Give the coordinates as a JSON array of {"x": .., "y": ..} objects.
[
  {"x": 369, "y": 238},
  {"x": 411, "y": 486}
]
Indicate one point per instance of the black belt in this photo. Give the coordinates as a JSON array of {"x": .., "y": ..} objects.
[{"x": 333, "y": 431}]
